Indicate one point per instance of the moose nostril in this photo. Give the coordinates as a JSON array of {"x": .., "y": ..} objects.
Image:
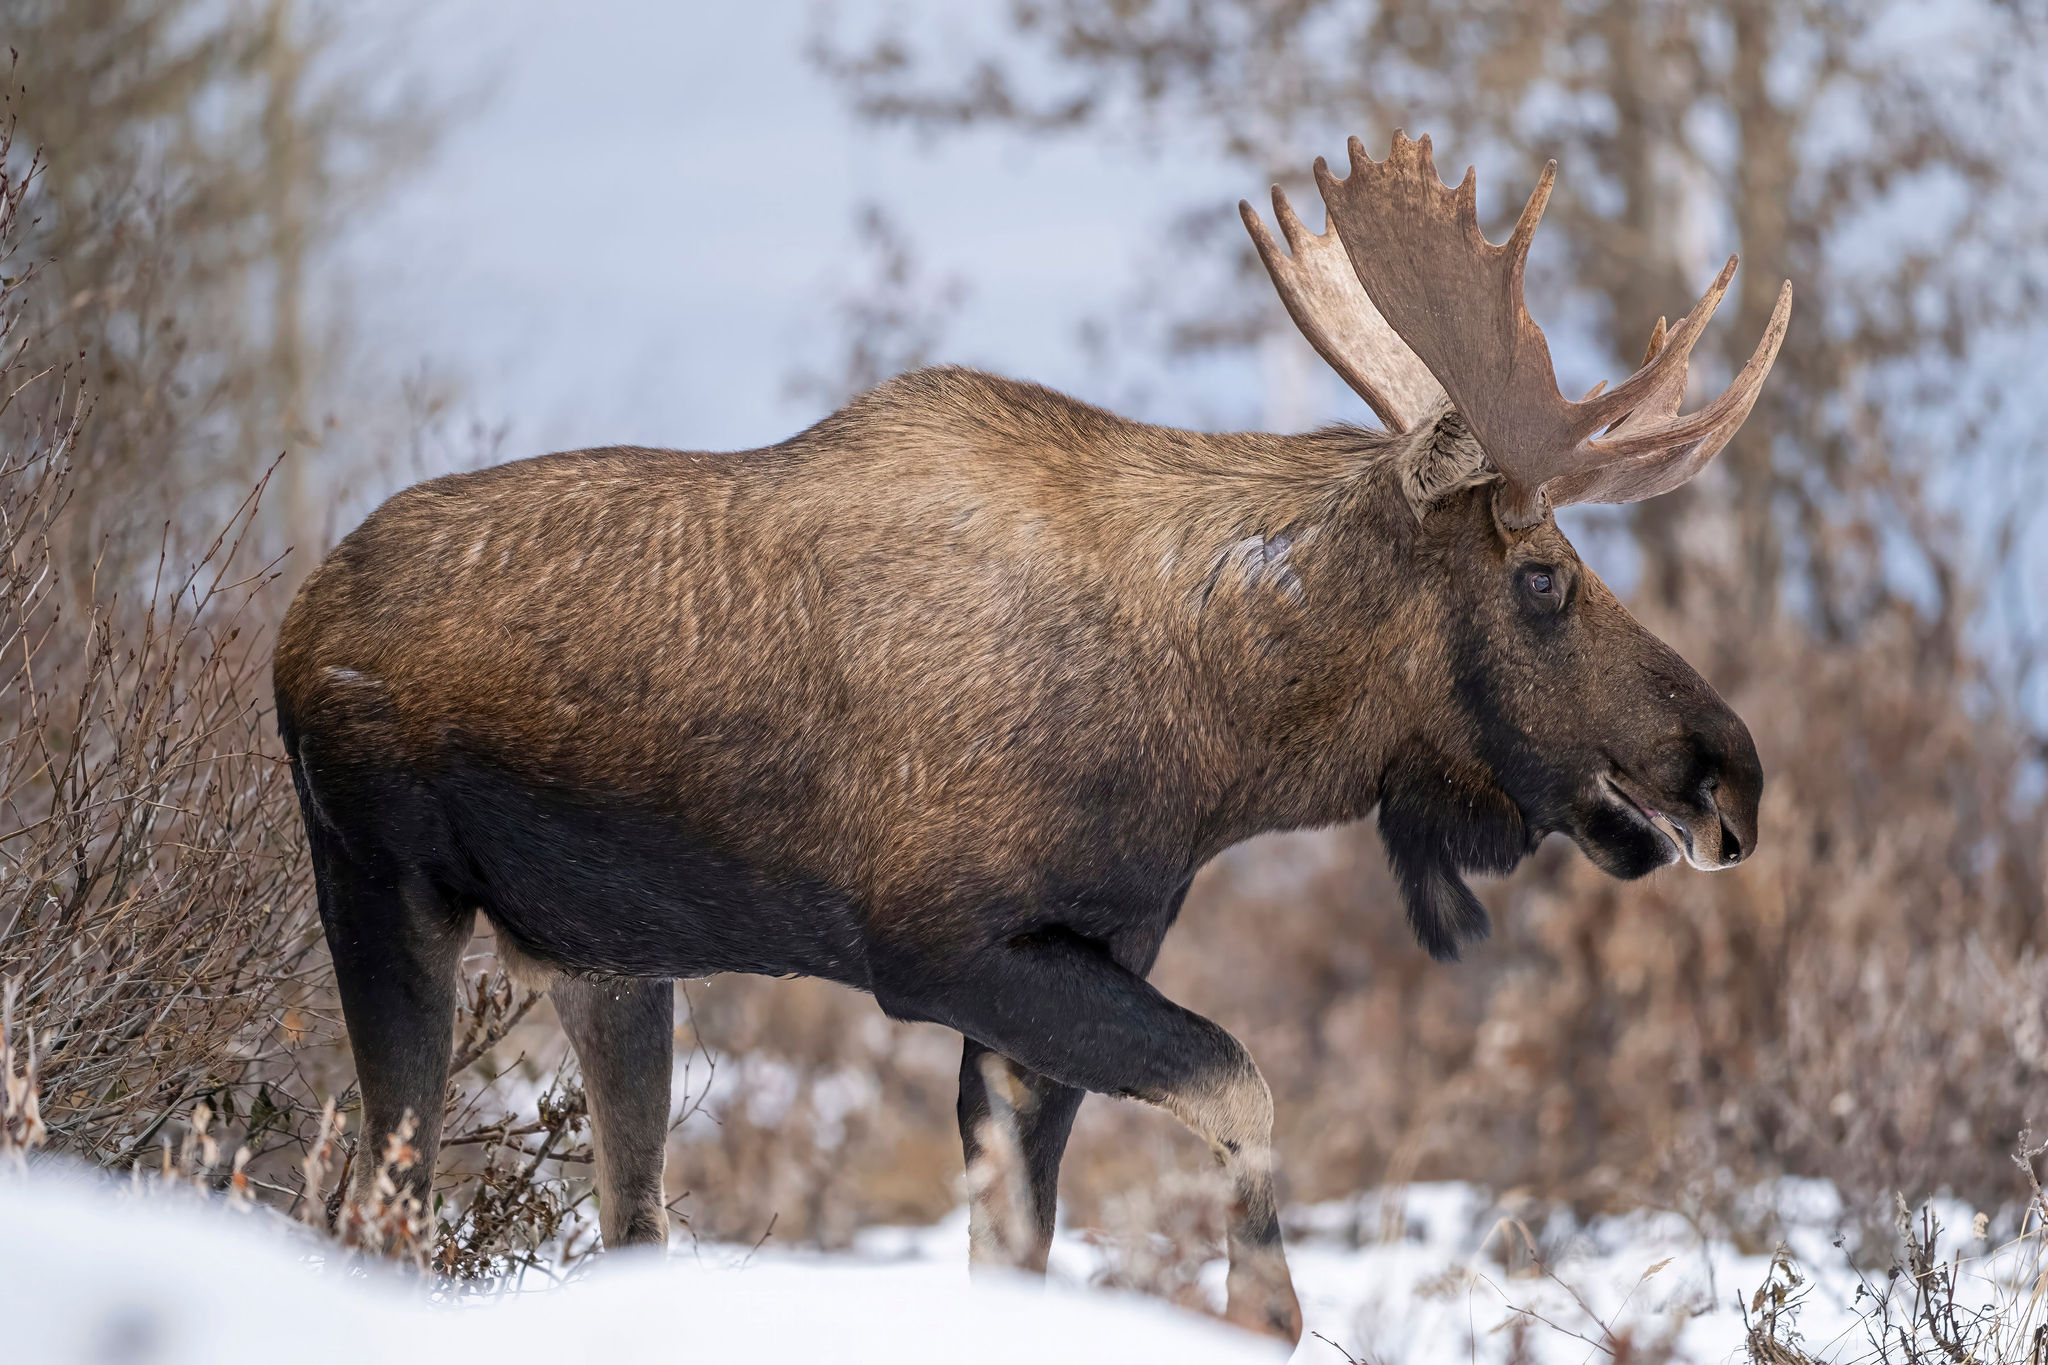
[{"x": 1731, "y": 846}]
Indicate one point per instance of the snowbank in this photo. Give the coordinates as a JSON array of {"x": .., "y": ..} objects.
[
  {"x": 86, "y": 1275},
  {"x": 90, "y": 1274}
]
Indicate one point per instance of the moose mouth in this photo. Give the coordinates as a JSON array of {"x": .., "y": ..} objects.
[{"x": 1674, "y": 833}]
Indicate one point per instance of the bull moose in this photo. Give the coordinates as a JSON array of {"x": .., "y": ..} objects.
[{"x": 948, "y": 697}]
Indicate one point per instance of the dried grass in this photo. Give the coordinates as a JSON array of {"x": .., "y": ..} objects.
[
  {"x": 21, "y": 1108},
  {"x": 1931, "y": 1305}
]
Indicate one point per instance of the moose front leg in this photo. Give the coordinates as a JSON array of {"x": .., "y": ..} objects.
[{"x": 1060, "y": 1005}]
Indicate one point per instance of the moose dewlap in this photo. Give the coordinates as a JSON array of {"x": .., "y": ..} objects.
[{"x": 948, "y": 697}]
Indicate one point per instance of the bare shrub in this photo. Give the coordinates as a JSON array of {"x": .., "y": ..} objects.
[
  {"x": 1159, "y": 1237},
  {"x": 205, "y": 159},
  {"x": 167, "y": 983},
  {"x": 1933, "y": 1304},
  {"x": 154, "y": 903},
  {"x": 825, "y": 1116},
  {"x": 514, "y": 1208}
]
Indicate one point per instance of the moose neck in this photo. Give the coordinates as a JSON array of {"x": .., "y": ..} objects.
[{"x": 1301, "y": 602}]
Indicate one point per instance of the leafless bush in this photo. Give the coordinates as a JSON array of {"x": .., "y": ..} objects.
[
  {"x": 514, "y": 1208},
  {"x": 166, "y": 980},
  {"x": 824, "y": 1116},
  {"x": 1160, "y": 1237},
  {"x": 1917, "y": 1314},
  {"x": 204, "y": 160},
  {"x": 1931, "y": 1306},
  {"x": 154, "y": 903}
]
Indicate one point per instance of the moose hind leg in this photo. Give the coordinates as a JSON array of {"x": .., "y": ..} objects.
[
  {"x": 1040, "y": 1114},
  {"x": 1062, "y": 1006},
  {"x": 623, "y": 1030},
  {"x": 396, "y": 943}
]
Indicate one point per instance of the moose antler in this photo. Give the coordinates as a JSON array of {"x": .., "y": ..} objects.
[
  {"x": 1455, "y": 300},
  {"x": 1329, "y": 305}
]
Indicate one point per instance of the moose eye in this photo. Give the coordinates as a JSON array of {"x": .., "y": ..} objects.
[{"x": 1543, "y": 588}]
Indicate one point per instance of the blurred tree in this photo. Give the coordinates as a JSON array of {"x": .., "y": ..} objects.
[
  {"x": 1874, "y": 153},
  {"x": 891, "y": 318},
  {"x": 199, "y": 156}
]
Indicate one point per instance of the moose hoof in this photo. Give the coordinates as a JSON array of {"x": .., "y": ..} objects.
[{"x": 1269, "y": 1308}]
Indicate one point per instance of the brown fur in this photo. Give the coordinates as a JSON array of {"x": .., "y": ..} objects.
[{"x": 951, "y": 600}]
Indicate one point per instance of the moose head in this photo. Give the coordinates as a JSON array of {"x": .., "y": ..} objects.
[{"x": 1570, "y": 717}]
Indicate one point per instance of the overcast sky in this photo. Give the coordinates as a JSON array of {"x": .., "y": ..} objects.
[{"x": 635, "y": 236}]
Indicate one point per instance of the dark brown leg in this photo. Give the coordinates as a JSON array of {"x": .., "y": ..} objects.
[
  {"x": 623, "y": 1030},
  {"x": 396, "y": 945}
]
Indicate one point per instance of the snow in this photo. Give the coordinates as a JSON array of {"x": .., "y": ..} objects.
[
  {"x": 1440, "y": 1272},
  {"x": 89, "y": 1271},
  {"x": 88, "y": 1274}
]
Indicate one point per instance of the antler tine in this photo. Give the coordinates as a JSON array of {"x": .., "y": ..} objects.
[
  {"x": 1322, "y": 294},
  {"x": 1659, "y": 405},
  {"x": 1656, "y": 340},
  {"x": 1532, "y": 213},
  {"x": 1654, "y": 450},
  {"x": 1456, "y": 299},
  {"x": 1662, "y": 374}
]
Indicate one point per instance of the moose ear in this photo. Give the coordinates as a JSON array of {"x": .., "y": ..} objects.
[{"x": 1440, "y": 457}]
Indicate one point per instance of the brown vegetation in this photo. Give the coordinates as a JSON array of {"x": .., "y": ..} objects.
[
  {"x": 157, "y": 914},
  {"x": 199, "y": 157},
  {"x": 166, "y": 982}
]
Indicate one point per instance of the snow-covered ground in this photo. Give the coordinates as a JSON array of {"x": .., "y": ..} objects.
[
  {"x": 89, "y": 1272},
  {"x": 1439, "y": 1272},
  {"x": 88, "y": 1275}
]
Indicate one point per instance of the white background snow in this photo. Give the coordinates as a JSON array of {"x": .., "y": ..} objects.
[{"x": 90, "y": 1270}]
